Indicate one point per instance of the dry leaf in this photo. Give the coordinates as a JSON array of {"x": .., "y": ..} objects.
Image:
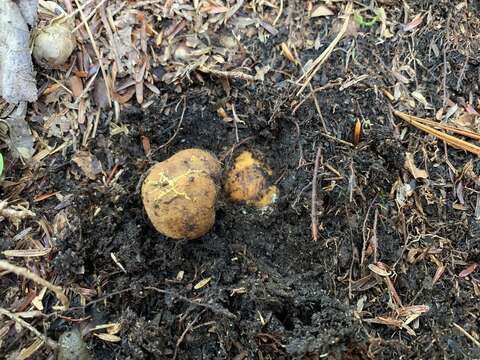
[
  {"x": 15, "y": 213},
  {"x": 104, "y": 326},
  {"x": 287, "y": 53},
  {"x": 27, "y": 252},
  {"x": 321, "y": 10},
  {"x": 76, "y": 85},
  {"x": 20, "y": 139},
  {"x": 421, "y": 99},
  {"x": 438, "y": 274},
  {"x": 17, "y": 82},
  {"x": 89, "y": 164},
  {"x": 378, "y": 270},
  {"x": 27, "y": 352},
  {"x": 461, "y": 207},
  {"x": 38, "y": 300},
  {"x": 467, "y": 120},
  {"x": 115, "y": 329},
  {"x": 100, "y": 93},
  {"x": 468, "y": 270},
  {"x": 213, "y": 9},
  {"x": 417, "y": 20},
  {"x": 410, "y": 166},
  {"x": 109, "y": 337}
]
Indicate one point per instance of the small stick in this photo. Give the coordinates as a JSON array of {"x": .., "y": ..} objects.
[
  {"x": 314, "y": 196},
  {"x": 20, "y": 271},
  {"x": 178, "y": 127},
  {"x": 53, "y": 344},
  {"x": 187, "y": 329},
  {"x": 214, "y": 309}
]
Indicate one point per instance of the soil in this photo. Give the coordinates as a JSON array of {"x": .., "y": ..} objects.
[{"x": 274, "y": 292}]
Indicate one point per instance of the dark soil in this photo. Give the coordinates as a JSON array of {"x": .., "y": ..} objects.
[{"x": 275, "y": 293}]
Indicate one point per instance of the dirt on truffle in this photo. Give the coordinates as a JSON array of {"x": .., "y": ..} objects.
[{"x": 271, "y": 291}]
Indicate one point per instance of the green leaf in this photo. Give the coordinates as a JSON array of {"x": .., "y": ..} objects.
[
  {"x": 359, "y": 19},
  {"x": 1, "y": 164}
]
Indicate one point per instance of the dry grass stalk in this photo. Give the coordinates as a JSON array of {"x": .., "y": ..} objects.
[
  {"x": 314, "y": 214},
  {"x": 470, "y": 337},
  {"x": 310, "y": 73},
  {"x": 228, "y": 74},
  {"x": 27, "y": 252},
  {"x": 27, "y": 352},
  {"x": 5, "y": 265},
  {"x": 471, "y": 134},
  {"x": 15, "y": 214},
  {"x": 449, "y": 139},
  {"x": 53, "y": 344},
  {"x": 97, "y": 52}
]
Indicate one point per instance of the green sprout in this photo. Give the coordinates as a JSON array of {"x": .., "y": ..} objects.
[
  {"x": 366, "y": 23},
  {"x": 1, "y": 164}
]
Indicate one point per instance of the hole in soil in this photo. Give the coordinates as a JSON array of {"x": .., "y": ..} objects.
[{"x": 285, "y": 318}]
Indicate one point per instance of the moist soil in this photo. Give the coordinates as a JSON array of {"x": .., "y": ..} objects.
[{"x": 274, "y": 292}]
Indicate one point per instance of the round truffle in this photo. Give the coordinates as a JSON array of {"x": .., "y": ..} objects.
[{"x": 180, "y": 193}]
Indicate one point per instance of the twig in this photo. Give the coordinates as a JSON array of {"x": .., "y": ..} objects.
[
  {"x": 314, "y": 195},
  {"x": 217, "y": 310},
  {"x": 53, "y": 344},
  {"x": 444, "y": 78},
  {"x": 234, "y": 147},
  {"x": 34, "y": 277},
  {"x": 214, "y": 309},
  {"x": 187, "y": 329},
  {"x": 327, "y": 86},
  {"x": 177, "y": 129},
  {"x": 343, "y": 142}
]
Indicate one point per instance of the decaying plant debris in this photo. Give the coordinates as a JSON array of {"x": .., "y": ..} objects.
[
  {"x": 367, "y": 114},
  {"x": 17, "y": 81}
]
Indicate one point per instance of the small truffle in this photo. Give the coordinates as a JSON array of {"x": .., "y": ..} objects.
[{"x": 247, "y": 182}]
